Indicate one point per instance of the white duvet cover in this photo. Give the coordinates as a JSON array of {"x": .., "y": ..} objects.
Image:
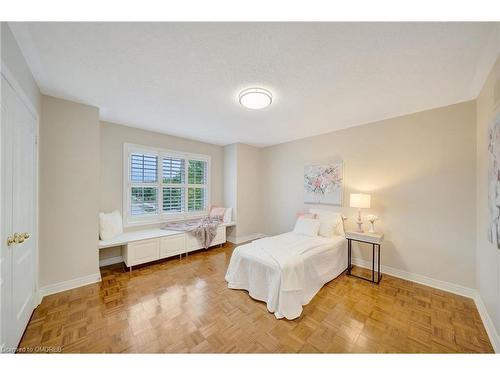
[{"x": 286, "y": 271}]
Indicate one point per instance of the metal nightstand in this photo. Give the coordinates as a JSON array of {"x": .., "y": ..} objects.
[{"x": 375, "y": 239}]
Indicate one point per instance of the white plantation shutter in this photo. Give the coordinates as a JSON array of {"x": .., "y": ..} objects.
[
  {"x": 173, "y": 199},
  {"x": 196, "y": 199},
  {"x": 197, "y": 172},
  {"x": 143, "y": 168},
  {"x": 143, "y": 178},
  {"x": 174, "y": 176},
  {"x": 173, "y": 170},
  {"x": 163, "y": 185},
  {"x": 197, "y": 189},
  {"x": 144, "y": 200}
]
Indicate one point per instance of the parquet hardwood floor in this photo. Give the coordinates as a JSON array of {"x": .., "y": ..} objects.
[{"x": 180, "y": 306}]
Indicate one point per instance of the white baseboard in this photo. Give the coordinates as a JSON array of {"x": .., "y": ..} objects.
[
  {"x": 109, "y": 261},
  {"x": 66, "y": 285},
  {"x": 420, "y": 279},
  {"x": 448, "y": 287},
  {"x": 488, "y": 322},
  {"x": 240, "y": 239}
]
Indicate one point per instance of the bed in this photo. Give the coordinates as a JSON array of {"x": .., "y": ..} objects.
[{"x": 286, "y": 271}]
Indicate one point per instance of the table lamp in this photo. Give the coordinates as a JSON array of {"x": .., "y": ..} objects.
[{"x": 360, "y": 201}]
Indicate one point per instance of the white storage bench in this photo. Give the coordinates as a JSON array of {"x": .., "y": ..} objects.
[{"x": 148, "y": 245}]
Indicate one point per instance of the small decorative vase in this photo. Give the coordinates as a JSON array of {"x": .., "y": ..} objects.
[
  {"x": 372, "y": 219},
  {"x": 372, "y": 227}
]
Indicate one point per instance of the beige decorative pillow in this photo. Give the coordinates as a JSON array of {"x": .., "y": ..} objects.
[{"x": 307, "y": 227}]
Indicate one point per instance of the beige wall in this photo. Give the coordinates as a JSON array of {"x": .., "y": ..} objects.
[
  {"x": 14, "y": 61},
  {"x": 249, "y": 192},
  {"x": 113, "y": 136},
  {"x": 69, "y": 190},
  {"x": 487, "y": 255},
  {"x": 230, "y": 193},
  {"x": 420, "y": 170},
  {"x": 242, "y": 190}
]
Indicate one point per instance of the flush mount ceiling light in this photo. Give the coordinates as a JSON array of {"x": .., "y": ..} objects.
[{"x": 255, "y": 98}]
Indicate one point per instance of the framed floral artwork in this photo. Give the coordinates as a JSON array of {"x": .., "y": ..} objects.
[
  {"x": 494, "y": 182},
  {"x": 323, "y": 184}
]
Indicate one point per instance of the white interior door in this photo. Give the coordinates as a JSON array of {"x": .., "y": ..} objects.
[{"x": 18, "y": 245}]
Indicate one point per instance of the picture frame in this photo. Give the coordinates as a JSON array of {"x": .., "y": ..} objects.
[
  {"x": 494, "y": 182},
  {"x": 324, "y": 183}
]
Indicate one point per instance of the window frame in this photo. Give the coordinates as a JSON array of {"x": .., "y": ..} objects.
[{"x": 159, "y": 217}]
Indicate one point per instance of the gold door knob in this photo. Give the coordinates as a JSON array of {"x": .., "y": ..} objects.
[
  {"x": 11, "y": 240},
  {"x": 17, "y": 238}
]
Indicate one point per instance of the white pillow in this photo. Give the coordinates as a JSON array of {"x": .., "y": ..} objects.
[
  {"x": 307, "y": 227},
  {"x": 327, "y": 227},
  {"x": 110, "y": 225},
  {"x": 331, "y": 222},
  {"x": 228, "y": 214}
]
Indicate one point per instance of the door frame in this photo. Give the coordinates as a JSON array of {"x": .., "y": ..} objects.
[{"x": 12, "y": 81}]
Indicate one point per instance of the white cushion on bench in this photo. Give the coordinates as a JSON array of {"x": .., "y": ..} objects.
[
  {"x": 139, "y": 235},
  {"x": 136, "y": 235},
  {"x": 110, "y": 225}
]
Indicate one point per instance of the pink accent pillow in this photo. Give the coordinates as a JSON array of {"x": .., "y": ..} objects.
[
  {"x": 217, "y": 212},
  {"x": 306, "y": 215}
]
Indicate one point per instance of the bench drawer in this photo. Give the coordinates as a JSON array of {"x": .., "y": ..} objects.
[
  {"x": 192, "y": 242},
  {"x": 142, "y": 252},
  {"x": 172, "y": 245},
  {"x": 220, "y": 237}
]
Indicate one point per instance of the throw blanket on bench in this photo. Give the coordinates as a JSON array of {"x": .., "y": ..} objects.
[{"x": 204, "y": 230}]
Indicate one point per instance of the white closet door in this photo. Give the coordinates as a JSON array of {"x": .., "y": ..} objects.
[{"x": 18, "y": 260}]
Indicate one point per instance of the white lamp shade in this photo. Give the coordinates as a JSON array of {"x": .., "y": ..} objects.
[{"x": 360, "y": 200}]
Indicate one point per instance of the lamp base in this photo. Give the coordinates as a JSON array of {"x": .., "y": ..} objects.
[
  {"x": 360, "y": 228},
  {"x": 359, "y": 222}
]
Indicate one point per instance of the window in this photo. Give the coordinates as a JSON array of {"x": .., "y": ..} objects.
[
  {"x": 174, "y": 178},
  {"x": 162, "y": 185},
  {"x": 143, "y": 200},
  {"x": 143, "y": 168}
]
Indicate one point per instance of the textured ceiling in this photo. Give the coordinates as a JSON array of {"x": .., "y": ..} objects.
[{"x": 183, "y": 78}]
